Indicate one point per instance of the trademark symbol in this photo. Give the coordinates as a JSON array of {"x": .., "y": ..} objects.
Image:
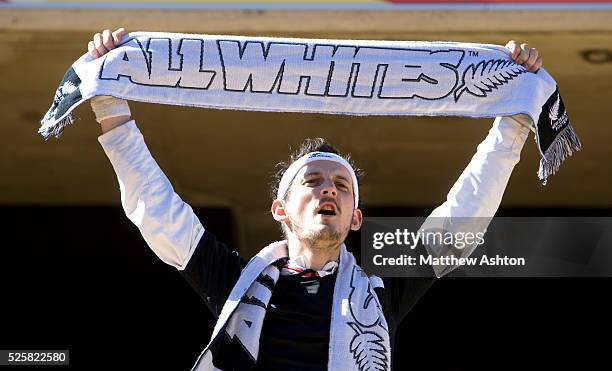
[{"x": 472, "y": 53}]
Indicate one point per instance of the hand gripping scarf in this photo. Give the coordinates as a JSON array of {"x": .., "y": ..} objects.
[{"x": 352, "y": 77}]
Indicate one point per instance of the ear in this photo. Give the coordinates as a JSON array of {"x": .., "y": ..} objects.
[
  {"x": 278, "y": 210},
  {"x": 357, "y": 220}
]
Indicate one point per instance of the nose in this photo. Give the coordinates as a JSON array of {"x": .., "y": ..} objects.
[{"x": 329, "y": 189}]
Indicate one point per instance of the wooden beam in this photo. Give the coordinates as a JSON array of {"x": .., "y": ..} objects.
[{"x": 274, "y": 21}]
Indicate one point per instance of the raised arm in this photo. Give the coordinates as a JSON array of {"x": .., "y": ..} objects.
[
  {"x": 476, "y": 195},
  {"x": 166, "y": 222},
  {"x": 168, "y": 225},
  {"x": 478, "y": 191}
]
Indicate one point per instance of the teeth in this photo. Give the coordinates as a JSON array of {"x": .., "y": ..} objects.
[{"x": 327, "y": 210}]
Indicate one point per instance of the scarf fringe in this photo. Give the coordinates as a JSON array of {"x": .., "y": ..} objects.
[
  {"x": 50, "y": 129},
  {"x": 564, "y": 145}
]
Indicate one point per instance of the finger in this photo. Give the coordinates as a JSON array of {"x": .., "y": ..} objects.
[
  {"x": 92, "y": 50},
  {"x": 513, "y": 48},
  {"x": 99, "y": 45},
  {"x": 537, "y": 65},
  {"x": 533, "y": 56},
  {"x": 523, "y": 55},
  {"x": 118, "y": 35},
  {"x": 107, "y": 40}
]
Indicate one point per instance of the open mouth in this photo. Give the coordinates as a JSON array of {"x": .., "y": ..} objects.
[{"x": 327, "y": 210}]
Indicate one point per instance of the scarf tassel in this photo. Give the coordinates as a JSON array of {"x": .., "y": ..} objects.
[
  {"x": 50, "y": 129},
  {"x": 564, "y": 145}
]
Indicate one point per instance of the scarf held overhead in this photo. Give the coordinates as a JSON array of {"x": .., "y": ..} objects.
[{"x": 352, "y": 77}]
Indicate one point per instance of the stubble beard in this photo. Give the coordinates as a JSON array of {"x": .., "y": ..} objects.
[{"x": 322, "y": 239}]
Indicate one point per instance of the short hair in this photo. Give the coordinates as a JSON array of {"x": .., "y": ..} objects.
[{"x": 307, "y": 146}]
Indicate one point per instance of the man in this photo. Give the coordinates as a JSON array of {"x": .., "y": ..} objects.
[{"x": 302, "y": 303}]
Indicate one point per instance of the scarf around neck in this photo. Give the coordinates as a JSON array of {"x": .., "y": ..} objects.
[
  {"x": 358, "y": 337},
  {"x": 349, "y": 77}
]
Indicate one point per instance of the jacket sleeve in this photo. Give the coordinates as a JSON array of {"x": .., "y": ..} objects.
[
  {"x": 167, "y": 224},
  {"x": 475, "y": 197}
]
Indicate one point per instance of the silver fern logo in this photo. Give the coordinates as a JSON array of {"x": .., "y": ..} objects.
[
  {"x": 557, "y": 117},
  {"x": 64, "y": 90},
  {"x": 369, "y": 345},
  {"x": 368, "y": 349},
  {"x": 481, "y": 78}
]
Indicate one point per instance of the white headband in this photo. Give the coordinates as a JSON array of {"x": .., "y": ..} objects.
[{"x": 293, "y": 169}]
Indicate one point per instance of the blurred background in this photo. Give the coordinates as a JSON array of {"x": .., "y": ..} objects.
[{"x": 75, "y": 274}]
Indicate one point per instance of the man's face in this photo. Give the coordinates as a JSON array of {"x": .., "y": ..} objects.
[{"x": 320, "y": 205}]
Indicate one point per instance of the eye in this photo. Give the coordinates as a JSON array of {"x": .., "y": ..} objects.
[
  {"x": 311, "y": 181},
  {"x": 341, "y": 185}
]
